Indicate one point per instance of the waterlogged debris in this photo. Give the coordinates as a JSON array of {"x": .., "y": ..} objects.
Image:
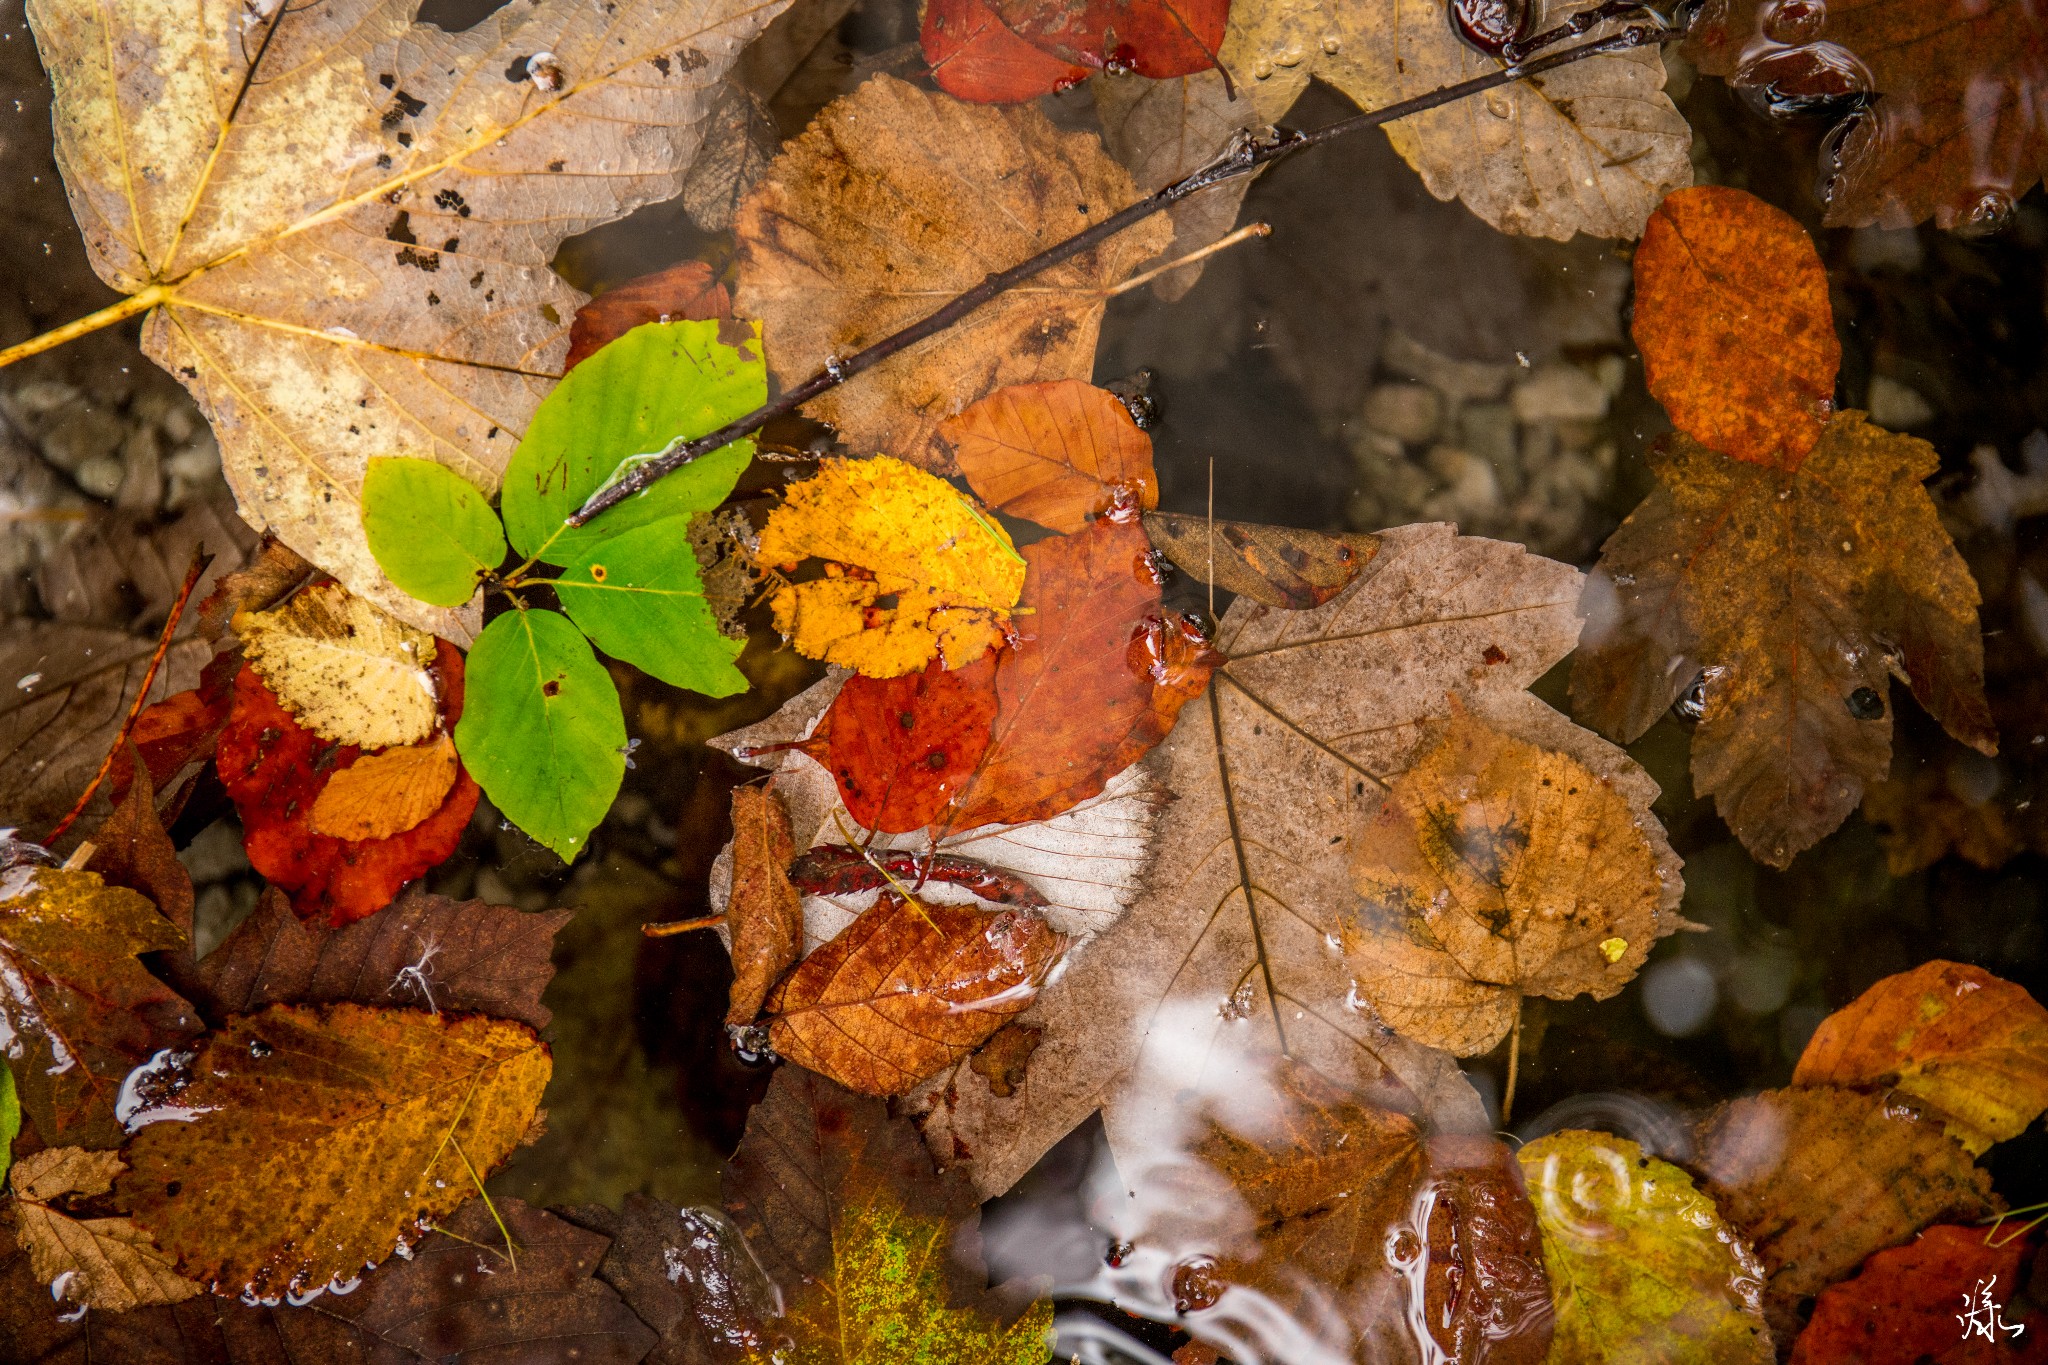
[{"x": 688, "y": 1274}]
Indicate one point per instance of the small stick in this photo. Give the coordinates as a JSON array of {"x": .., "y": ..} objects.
[
  {"x": 1249, "y": 230},
  {"x": 80, "y": 856},
  {"x": 1507, "y": 1099},
  {"x": 200, "y": 559},
  {"x": 681, "y": 926}
]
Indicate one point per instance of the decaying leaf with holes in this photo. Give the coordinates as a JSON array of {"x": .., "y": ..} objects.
[
  {"x": 344, "y": 225},
  {"x": 305, "y": 1142},
  {"x": 104, "y": 1263},
  {"x": 895, "y": 197},
  {"x": 1056, "y": 453},
  {"x": 344, "y": 669},
  {"x": 764, "y": 918},
  {"x": 913, "y": 570},
  {"x": 1497, "y": 868}
]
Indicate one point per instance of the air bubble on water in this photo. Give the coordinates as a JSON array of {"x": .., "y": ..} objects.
[{"x": 1988, "y": 212}]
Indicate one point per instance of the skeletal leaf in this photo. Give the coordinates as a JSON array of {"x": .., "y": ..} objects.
[
  {"x": 346, "y": 217},
  {"x": 344, "y": 669},
  {"x": 1052, "y": 453},
  {"x": 104, "y": 1263},
  {"x": 765, "y": 914},
  {"x": 1276, "y": 565}
]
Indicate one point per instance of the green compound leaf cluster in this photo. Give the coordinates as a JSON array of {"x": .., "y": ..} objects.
[{"x": 542, "y": 729}]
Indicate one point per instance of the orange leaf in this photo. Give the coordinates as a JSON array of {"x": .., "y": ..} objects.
[
  {"x": 1733, "y": 320},
  {"x": 900, "y": 748},
  {"x": 1052, "y": 453},
  {"x": 1902, "y": 1308},
  {"x": 689, "y": 292},
  {"x": 974, "y": 56},
  {"x": 765, "y": 915},
  {"x": 386, "y": 793}
]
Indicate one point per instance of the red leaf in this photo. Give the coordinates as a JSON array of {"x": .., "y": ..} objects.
[
  {"x": 974, "y": 56},
  {"x": 1907, "y": 1304},
  {"x": 180, "y": 729},
  {"x": 682, "y": 293},
  {"x": 1154, "y": 38},
  {"x": 900, "y": 748},
  {"x": 275, "y": 769}
]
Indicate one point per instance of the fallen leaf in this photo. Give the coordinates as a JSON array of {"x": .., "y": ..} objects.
[
  {"x": 740, "y": 140},
  {"x": 386, "y": 793},
  {"x": 724, "y": 541},
  {"x": 1971, "y": 1047},
  {"x": 1797, "y": 594},
  {"x": 686, "y": 1273},
  {"x": 78, "y": 1010},
  {"x": 423, "y": 950},
  {"x": 181, "y": 730},
  {"x": 304, "y": 1143},
  {"x": 874, "y": 1250},
  {"x": 689, "y": 292},
  {"x": 1228, "y": 951},
  {"x": 10, "y": 1116},
  {"x": 1941, "y": 124},
  {"x": 1901, "y": 1308},
  {"x": 1641, "y": 1265},
  {"x": 436, "y": 172},
  {"x": 1591, "y": 147},
  {"x": 1005, "y": 1058},
  {"x": 1734, "y": 324},
  {"x": 1279, "y": 566},
  {"x": 274, "y": 572},
  {"x": 344, "y": 670},
  {"x": 950, "y": 572},
  {"x": 1058, "y": 454},
  {"x": 1817, "y": 1178},
  {"x": 1496, "y": 868},
  {"x": 895, "y": 198},
  {"x": 900, "y": 748},
  {"x": 432, "y": 532},
  {"x": 1155, "y": 39},
  {"x": 104, "y": 1263},
  {"x": 906, "y": 989},
  {"x": 974, "y": 55},
  {"x": 1920, "y": 818},
  {"x": 130, "y": 849},
  {"x": 765, "y": 915},
  {"x": 122, "y": 569}
]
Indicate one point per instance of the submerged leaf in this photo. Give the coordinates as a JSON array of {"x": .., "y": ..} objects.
[
  {"x": 104, "y": 1263},
  {"x": 345, "y": 670},
  {"x": 1278, "y": 566},
  {"x": 1056, "y": 453},
  {"x": 1901, "y": 1307}
]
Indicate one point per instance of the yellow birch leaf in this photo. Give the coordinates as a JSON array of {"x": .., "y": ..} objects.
[{"x": 344, "y": 669}]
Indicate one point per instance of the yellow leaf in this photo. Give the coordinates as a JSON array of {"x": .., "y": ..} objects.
[
  {"x": 936, "y": 575},
  {"x": 344, "y": 669}
]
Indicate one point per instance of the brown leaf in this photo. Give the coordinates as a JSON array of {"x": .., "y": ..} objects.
[
  {"x": 316, "y": 1140},
  {"x": 57, "y": 1171},
  {"x": 131, "y": 850},
  {"x": 1797, "y": 594},
  {"x": 908, "y": 988},
  {"x": 386, "y": 793},
  {"x": 687, "y": 1274},
  {"x": 1005, "y": 1058},
  {"x": 105, "y": 1263},
  {"x": 124, "y": 571},
  {"x": 1275, "y": 565},
  {"x": 1971, "y": 1047},
  {"x": 895, "y": 197},
  {"x": 1817, "y": 1179},
  {"x": 1055, "y": 453},
  {"x": 689, "y": 292},
  {"x": 765, "y": 914},
  {"x": 739, "y": 143},
  {"x": 273, "y": 573}
]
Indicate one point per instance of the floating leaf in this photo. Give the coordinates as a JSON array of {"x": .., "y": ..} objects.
[
  {"x": 272, "y": 574},
  {"x": 344, "y": 670},
  {"x": 104, "y": 1263},
  {"x": 686, "y": 1273},
  {"x": 433, "y": 533},
  {"x": 131, "y": 849},
  {"x": 1276, "y": 565},
  {"x": 1901, "y": 1308},
  {"x": 689, "y": 292},
  {"x": 951, "y": 571},
  {"x": 894, "y": 197},
  {"x": 765, "y": 914},
  {"x": 974, "y": 55},
  {"x": 434, "y": 172},
  {"x": 640, "y": 597},
  {"x": 1151, "y": 38},
  {"x": 543, "y": 731},
  {"x": 1056, "y": 453},
  {"x": 1795, "y": 594},
  {"x": 1641, "y": 1265},
  {"x": 306, "y": 1142},
  {"x": 1970, "y": 1046},
  {"x": 380, "y": 795},
  {"x": 900, "y": 748},
  {"x": 182, "y": 729}
]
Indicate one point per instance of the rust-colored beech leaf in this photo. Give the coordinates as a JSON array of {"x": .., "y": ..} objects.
[
  {"x": 689, "y": 292},
  {"x": 1152, "y": 38},
  {"x": 1733, "y": 320},
  {"x": 306, "y": 1142},
  {"x": 1909, "y": 1304},
  {"x": 105, "y": 1263},
  {"x": 908, "y": 988},
  {"x": 765, "y": 915},
  {"x": 1817, "y": 1178},
  {"x": 1093, "y": 682},
  {"x": 77, "y": 1010},
  {"x": 131, "y": 849},
  {"x": 180, "y": 730},
  {"x": 900, "y": 748},
  {"x": 1497, "y": 868},
  {"x": 1055, "y": 453},
  {"x": 277, "y": 771},
  {"x": 896, "y": 196},
  {"x": 1279, "y": 566},
  {"x": 386, "y": 793},
  {"x": 1793, "y": 597},
  {"x": 975, "y": 56},
  {"x": 1955, "y": 1037}
]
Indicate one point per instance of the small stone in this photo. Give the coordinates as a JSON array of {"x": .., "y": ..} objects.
[
  {"x": 1560, "y": 393},
  {"x": 1895, "y": 406},
  {"x": 1612, "y": 372},
  {"x": 1474, "y": 492},
  {"x": 1460, "y": 381},
  {"x": 1410, "y": 413},
  {"x": 1875, "y": 248},
  {"x": 100, "y": 477},
  {"x": 1488, "y": 431},
  {"x": 197, "y": 461},
  {"x": 1373, "y": 450},
  {"x": 215, "y": 853},
  {"x": 178, "y": 423},
  {"x": 85, "y": 434}
]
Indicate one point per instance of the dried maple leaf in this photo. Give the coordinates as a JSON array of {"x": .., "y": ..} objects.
[
  {"x": 77, "y": 1010},
  {"x": 386, "y": 793},
  {"x": 1901, "y": 1308},
  {"x": 1942, "y": 94},
  {"x": 1641, "y": 1265},
  {"x": 345, "y": 670},
  {"x": 1817, "y": 1178},
  {"x": 875, "y": 1251},
  {"x": 1971, "y": 1047},
  {"x": 1799, "y": 593},
  {"x": 1588, "y": 148},
  {"x": 105, "y": 1263},
  {"x": 906, "y": 989},
  {"x": 896, "y": 198},
  {"x": 689, "y": 292},
  {"x": 1279, "y": 566},
  {"x": 1496, "y": 868},
  {"x": 765, "y": 915},
  {"x": 305, "y": 1142},
  {"x": 974, "y": 55},
  {"x": 1734, "y": 324},
  {"x": 900, "y": 748},
  {"x": 937, "y": 577},
  {"x": 1055, "y": 453},
  {"x": 346, "y": 218}
]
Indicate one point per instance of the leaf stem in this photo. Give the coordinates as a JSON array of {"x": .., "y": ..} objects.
[
  {"x": 1244, "y": 233},
  {"x": 141, "y": 301},
  {"x": 1507, "y": 1098},
  {"x": 1249, "y": 154}
]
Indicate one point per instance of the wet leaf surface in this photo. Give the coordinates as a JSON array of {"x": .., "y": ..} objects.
[
  {"x": 1056, "y": 453},
  {"x": 1901, "y": 1309},
  {"x": 384, "y": 794},
  {"x": 1277, "y": 566},
  {"x": 901, "y": 748},
  {"x": 688, "y": 292},
  {"x": 687, "y": 1274},
  {"x": 974, "y": 55},
  {"x": 765, "y": 915},
  {"x": 103, "y": 1263},
  {"x": 346, "y": 671},
  {"x": 130, "y": 849},
  {"x": 1150, "y": 38}
]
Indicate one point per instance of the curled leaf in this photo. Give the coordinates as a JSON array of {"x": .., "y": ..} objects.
[
  {"x": 1278, "y": 566},
  {"x": 765, "y": 914}
]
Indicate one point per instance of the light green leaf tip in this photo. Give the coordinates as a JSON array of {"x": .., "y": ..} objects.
[
  {"x": 10, "y": 1119},
  {"x": 433, "y": 533},
  {"x": 541, "y": 728},
  {"x": 640, "y": 597}
]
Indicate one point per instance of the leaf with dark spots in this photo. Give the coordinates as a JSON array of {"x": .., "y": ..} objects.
[
  {"x": 1275, "y": 565},
  {"x": 901, "y": 748},
  {"x": 689, "y": 292}
]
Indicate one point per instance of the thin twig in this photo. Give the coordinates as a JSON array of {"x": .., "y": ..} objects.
[
  {"x": 200, "y": 559},
  {"x": 1247, "y": 156},
  {"x": 1244, "y": 233},
  {"x": 665, "y": 928}
]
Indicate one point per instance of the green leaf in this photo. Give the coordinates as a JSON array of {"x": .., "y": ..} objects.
[
  {"x": 433, "y": 533},
  {"x": 10, "y": 1119},
  {"x": 640, "y": 597},
  {"x": 656, "y": 383},
  {"x": 541, "y": 728},
  {"x": 1641, "y": 1265}
]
